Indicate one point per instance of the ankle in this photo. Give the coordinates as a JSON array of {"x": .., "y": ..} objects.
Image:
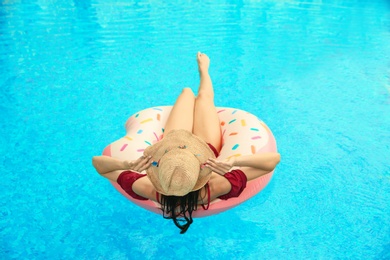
[{"x": 203, "y": 72}]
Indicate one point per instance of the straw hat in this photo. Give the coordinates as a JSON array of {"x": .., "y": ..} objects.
[{"x": 178, "y": 160}]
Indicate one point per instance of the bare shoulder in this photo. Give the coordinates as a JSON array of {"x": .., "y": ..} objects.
[
  {"x": 219, "y": 185},
  {"x": 144, "y": 188}
]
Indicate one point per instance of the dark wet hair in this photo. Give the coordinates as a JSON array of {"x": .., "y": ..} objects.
[{"x": 180, "y": 208}]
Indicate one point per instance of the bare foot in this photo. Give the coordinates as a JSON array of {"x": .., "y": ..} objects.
[{"x": 203, "y": 62}]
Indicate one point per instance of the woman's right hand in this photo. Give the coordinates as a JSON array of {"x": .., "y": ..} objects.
[{"x": 140, "y": 164}]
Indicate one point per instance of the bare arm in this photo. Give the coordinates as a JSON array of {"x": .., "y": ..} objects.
[
  {"x": 105, "y": 164},
  {"x": 253, "y": 166},
  {"x": 261, "y": 161},
  {"x": 111, "y": 168}
]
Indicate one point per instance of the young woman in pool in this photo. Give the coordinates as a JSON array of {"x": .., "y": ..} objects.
[{"x": 181, "y": 168}]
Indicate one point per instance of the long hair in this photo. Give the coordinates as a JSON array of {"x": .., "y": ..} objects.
[{"x": 180, "y": 208}]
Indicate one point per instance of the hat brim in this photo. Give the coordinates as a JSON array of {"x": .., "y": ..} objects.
[{"x": 182, "y": 139}]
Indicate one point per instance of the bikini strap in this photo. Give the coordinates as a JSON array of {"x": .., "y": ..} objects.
[
  {"x": 208, "y": 198},
  {"x": 157, "y": 197}
]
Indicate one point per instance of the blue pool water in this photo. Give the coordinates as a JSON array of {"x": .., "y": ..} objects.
[{"x": 317, "y": 72}]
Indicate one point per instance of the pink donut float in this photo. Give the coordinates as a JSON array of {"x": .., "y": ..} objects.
[{"x": 242, "y": 134}]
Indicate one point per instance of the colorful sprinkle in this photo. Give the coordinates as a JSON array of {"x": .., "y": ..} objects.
[
  {"x": 234, "y": 120},
  {"x": 255, "y": 129},
  {"x": 128, "y": 138},
  {"x": 224, "y": 131},
  {"x": 155, "y": 136},
  {"x": 221, "y": 111},
  {"x": 243, "y": 123},
  {"x": 148, "y": 143},
  {"x": 163, "y": 130},
  {"x": 235, "y": 147},
  {"x": 146, "y": 120},
  {"x": 140, "y": 131},
  {"x": 140, "y": 150},
  {"x": 256, "y": 137},
  {"x": 234, "y": 155},
  {"x": 136, "y": 115},
  {"x": 234, "y": 112},
  {"x": 123, "y": 147},
  {"x": 234, "y": 133},
  {"x": 158, "y": 117},
  {"x": 222, "y": 123},
  {"x": 157, "y": 108},
  {"x": 253, "y": 148}
]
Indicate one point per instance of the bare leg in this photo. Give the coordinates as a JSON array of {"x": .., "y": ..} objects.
[
  {"x": 182, "y": 114},
  {"x": 206, "y": 121}
]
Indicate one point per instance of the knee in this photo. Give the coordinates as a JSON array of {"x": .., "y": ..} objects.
[
  {"x": 188, "y": 91},
  {"x": 205, "y": 95}
]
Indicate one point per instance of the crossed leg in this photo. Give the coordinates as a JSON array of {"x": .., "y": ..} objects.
[
  {"x": 197, "y": 115},
  {"x": 206, "y": 121}
]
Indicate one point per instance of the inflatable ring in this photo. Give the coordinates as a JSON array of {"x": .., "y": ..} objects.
[{"x": 242, "y": 133}]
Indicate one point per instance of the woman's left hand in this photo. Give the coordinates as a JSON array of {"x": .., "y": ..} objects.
[
  {"x": 140, "y": 164},
  {"x": 220, "y": 167}
]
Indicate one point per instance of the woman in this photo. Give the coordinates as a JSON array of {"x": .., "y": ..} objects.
[{"x": 181, "y": 168}]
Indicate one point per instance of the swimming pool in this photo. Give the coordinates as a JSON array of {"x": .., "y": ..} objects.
[{"x": 317, "y": 72}]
